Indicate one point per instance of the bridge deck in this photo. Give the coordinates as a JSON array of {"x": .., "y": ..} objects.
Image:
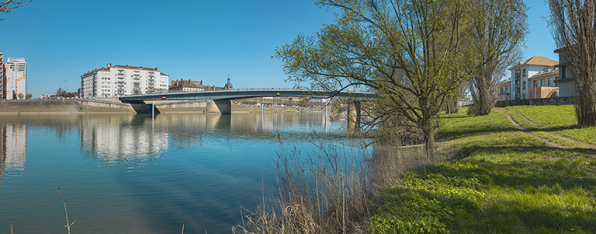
[{"x": 248, "y": 93}]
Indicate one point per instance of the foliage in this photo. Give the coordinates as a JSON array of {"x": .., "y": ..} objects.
[
  {"x": 507, "y": 182},
  {"x": 62, "y": 93},
  {"x": 410, "y": 51}
]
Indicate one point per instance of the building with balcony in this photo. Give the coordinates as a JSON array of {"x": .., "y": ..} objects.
[
  {"x": 542, "y": 85},
  {"x": 118, "y": 80},
  {"x": 15, "y": 79},
  {"x": 522, "y": 73}
]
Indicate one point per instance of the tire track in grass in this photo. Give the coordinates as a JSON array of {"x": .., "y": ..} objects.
[
  {"x": 584, "y": 144},
  {"x": 526, "y": 131}
]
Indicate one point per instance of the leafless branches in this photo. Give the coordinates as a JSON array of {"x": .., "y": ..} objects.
[
  {"x": 498, "y": 32},
  {"x": 573, "y": 25},
  {"x": 9, "y": 5}
]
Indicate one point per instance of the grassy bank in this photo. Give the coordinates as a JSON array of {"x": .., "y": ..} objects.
[
  {"x": 504, "y": 182},
  {"x": 559, "y": 119}
]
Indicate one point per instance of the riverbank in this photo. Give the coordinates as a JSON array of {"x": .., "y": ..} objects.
[
  {"x": 113, "y": 106},
  {"x": 509, "y": 178}
]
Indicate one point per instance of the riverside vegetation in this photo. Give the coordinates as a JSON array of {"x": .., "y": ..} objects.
[{"x": 491, "y": 177}]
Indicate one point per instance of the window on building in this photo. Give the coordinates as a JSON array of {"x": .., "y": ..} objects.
[
  {"x": 551, "y": 82},
  {"x": 535, "y": 84},
  {"x": 542, "y": 82}
]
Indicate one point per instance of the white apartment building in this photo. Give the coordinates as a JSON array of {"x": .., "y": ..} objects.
[
  {"x": 15, "y": 82},
  {"x": 522, "y": 73},
  {"x": 121, "y": 80}
]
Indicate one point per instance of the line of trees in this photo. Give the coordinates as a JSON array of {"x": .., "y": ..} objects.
[
  {"x": 419, "y": 54},
  {"x": 62, "y": 93}
]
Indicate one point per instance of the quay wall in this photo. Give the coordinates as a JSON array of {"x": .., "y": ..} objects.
[{"x": 90, "y": 106}]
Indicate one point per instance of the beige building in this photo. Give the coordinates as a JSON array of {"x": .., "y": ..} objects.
[
  {"x": 15, "y": 79},
  {"x": 118, "y": 80},
  {"x": 543, "y": 84}
]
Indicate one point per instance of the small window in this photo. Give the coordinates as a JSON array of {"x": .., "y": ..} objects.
[{"x": 542, "y": 83}]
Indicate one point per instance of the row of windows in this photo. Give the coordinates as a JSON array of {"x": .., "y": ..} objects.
[{"x": 550, "y": 82}]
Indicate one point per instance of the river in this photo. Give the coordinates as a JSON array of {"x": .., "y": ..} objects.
[{"x": 126, "y": 174}]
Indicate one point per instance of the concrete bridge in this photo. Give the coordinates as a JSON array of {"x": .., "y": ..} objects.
[
  {"x": 246, "y": 93},
  {"x": 221, "y": 99}
]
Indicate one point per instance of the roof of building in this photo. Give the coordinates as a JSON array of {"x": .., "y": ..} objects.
[
  {"x": 536, "y": 60},
  {"x": 548, "y": 72},
  {"x": 124, "y": 66}
]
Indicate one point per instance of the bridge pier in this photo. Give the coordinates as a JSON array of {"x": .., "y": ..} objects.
[
  {"x": 354, "y": 115},
  {"x": 223, "y": 107}
]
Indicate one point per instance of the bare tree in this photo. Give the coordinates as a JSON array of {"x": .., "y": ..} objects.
[
  {"x": 498, "y": 31},
  {"x": 407, "y": 50},
  {"x": 9, "y": 5},
  {"x": 573, "y": 25}
]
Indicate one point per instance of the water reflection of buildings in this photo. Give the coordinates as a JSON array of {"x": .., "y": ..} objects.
[
  {"x": 118, "y": 139},
  {"x": 13, "y": 147}
]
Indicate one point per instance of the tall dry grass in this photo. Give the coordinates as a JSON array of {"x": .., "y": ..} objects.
[{"x": 331, "y": 189}]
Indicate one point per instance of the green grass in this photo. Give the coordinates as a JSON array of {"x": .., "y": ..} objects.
[
  {"x": 522, "y": 122},
  {"x": 559, "y": 119},
  {"x": 508, "y": 183}
]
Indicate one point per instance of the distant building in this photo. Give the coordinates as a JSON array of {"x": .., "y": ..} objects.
[
  {"x": 522, "y": 73},
  {"x": 47, "y": 95},
  {"x": 15, "y": 79},
  {"x": 566, "y": 83},
  {"x": 2, "y": 78},
  {"x": 543, "y": 84},
  {"x": 228, "y": 85},
  {"x": 504, "y": 90},
  {"x": 121, "y": 80},
  {"x": 195, "y": 86}
]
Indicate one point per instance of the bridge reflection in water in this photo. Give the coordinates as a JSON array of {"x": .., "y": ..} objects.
[
  {"x": 130, "y": 139},
  {"x": 195, "y": 169}
]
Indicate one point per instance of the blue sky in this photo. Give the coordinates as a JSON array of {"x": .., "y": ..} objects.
[{"x": 190, "y": 39}]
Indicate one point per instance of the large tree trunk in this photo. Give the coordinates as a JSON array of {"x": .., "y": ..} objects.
[
  {"x": 429, "y": 145},
  {"x": 484, "y": 94},
  {"x": 428, "y": 131},
  {"x": 452, "y": 106},
  {"x": 585, "y": 107}
]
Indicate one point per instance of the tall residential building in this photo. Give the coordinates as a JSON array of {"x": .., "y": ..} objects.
[
  {"x": 121, "y": 80},
  {"x": 15, "y": 82},
  {"x": 523, "y": 71},
  {"x": 1, "y": 75}
]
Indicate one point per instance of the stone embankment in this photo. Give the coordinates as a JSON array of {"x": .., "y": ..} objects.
[{"x": 93, "y": 106}]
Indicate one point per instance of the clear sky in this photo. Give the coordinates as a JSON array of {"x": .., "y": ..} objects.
[{"x": 189, "y": 39}]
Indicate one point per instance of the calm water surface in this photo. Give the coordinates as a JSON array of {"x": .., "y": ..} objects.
[{"x": 120, "y": 174}]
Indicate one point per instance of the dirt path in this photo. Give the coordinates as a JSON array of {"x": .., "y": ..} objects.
[
  {"x": 516, "y": 125},
  {"x": 587, "y": 145}
]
